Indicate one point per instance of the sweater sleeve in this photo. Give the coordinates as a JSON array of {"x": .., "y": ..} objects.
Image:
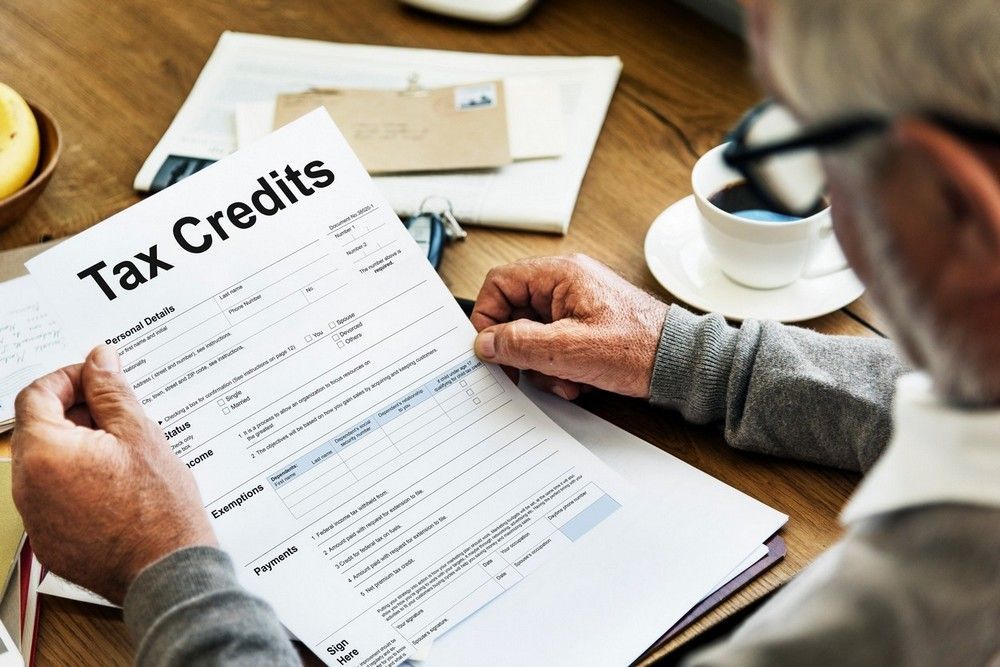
[
  {"x": 188, "y": 609},
  {"x": 915, "y": 587},
  {"x": 778, "y": 389}
]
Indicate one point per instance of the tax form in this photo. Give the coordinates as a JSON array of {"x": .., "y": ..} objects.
[{"x": 371, "y": 478}]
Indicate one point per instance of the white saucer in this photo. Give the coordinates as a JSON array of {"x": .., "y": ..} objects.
[{"x": 679, "y": 260}]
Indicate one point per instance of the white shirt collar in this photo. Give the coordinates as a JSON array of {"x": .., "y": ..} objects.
[{"x": 938, "y": 454}]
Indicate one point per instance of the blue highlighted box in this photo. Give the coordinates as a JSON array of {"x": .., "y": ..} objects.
[{"x": 596, "y": 512}]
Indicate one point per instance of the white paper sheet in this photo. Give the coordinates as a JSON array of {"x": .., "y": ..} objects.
[
  {"x": 637, "y": 461},
  {"x": 614, "y": 618},
  {"x": 52, "y": 584},
  {"x": 535, "y": 194},
  {"x": 9, "y": 654},
  {"x": 372, "y": 480},
  {"x": 31, "y": 343},
  {"x": 534, "y": 120}
]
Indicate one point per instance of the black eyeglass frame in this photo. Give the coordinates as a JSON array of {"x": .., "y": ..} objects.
[{"x": 828, "y": 135}]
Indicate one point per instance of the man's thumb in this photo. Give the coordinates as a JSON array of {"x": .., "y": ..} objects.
[
  {"x": 110, "y": 400},
  {"x": 523, "y": 344}
]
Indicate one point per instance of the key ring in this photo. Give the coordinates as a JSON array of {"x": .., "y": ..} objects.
[{"x": 454, "y": 229}]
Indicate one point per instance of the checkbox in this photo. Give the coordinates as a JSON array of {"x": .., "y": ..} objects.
[
  {"x": 476, "y": 401},
  {"x": 464, "y": 383},
  {"x": 309, "y": 339},
  {"x": 333, "y": 325},
  {"x": 336, "y": 336},
  {"x": 340, "y": 344},
  {"x": 225, "y": 411},
  {"x": 221, "y": 401},
  {"x": 469, "y": 392}
]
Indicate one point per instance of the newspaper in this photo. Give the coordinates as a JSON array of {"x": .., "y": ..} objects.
[{"x": 536, "y": 195}]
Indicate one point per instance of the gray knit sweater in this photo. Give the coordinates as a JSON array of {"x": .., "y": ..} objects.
[{"x": 917, "y": 587}]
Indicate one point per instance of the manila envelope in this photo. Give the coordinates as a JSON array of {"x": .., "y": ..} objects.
[{"x": 459, "y": 127}]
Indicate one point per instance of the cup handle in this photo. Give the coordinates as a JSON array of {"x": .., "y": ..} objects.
[{"x": 828, "y": 260}]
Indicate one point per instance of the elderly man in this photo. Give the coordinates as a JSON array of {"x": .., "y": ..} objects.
[{"x": 916, "y": 201}]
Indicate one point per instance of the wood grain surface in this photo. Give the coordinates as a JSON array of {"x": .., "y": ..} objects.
[{"x": 114, "y": 77}]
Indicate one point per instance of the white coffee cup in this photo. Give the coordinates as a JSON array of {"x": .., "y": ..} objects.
[{"x": 761, "y": 254}]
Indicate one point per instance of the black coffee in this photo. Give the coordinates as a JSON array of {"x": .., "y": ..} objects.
[{"x": 742, "y": 200}]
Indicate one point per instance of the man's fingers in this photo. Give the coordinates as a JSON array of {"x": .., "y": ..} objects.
[
  {"x": 566, "y": 389},
  {"x": 513, "y": 374},
  {"x": 46, "y": 407},
  {"x": 113, "y": 406},
  {"x": 520, "y": 289},
  {"x": 49, "y": 397},
  {"x": 80, "y": 416},
  {"x": 525, "y": 344},
  {"x": 493, "y": 306}
]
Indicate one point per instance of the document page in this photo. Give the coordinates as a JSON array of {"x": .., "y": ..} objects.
[
  {"x": 371, "y": 478},
  {"x": 31, "y": 343}
]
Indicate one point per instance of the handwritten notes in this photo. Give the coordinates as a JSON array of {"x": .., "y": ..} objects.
[{"x": 31, "y": 342}]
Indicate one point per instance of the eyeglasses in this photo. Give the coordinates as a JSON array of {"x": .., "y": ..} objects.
[{"x": 780, "y": 159}]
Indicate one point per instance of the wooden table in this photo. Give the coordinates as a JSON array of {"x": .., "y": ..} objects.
[{"x": 115, "y": 76}]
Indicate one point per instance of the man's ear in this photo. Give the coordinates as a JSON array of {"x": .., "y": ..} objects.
[{"x": 973, "y": 181}]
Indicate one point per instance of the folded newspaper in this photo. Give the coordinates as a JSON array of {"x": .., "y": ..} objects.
[{"x": 537, "y": 195}]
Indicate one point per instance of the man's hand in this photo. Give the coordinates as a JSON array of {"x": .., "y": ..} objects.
[
  {"x": 101, "y": 493},
  {"x": 571, "y": 322}
]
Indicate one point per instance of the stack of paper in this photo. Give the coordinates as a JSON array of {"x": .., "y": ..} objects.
[
  {"x": 465, "y": 127},
  {"x": 387, "y": 492},
  {"x": 532, "y": 194}
]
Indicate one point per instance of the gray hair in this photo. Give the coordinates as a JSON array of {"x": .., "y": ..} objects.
[{"x": 890, "y": 56}]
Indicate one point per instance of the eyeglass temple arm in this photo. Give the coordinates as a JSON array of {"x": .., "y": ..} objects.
[{"x": 824, "y": 135}]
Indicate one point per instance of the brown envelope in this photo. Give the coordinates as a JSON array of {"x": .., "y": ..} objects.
[
  {"x": 12, "y": 261},
  {"x": 460, "y": 127}
]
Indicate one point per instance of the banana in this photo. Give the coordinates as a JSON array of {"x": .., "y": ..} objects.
[{"x": 18, "y": 142}]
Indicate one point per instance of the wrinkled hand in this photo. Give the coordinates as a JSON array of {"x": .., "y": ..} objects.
[
  {"x": 101, "y": 493},
  {"x": 571, "y": 322}
]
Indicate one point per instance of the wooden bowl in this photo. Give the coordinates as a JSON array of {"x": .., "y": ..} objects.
[{"x": 14, "y": 206}]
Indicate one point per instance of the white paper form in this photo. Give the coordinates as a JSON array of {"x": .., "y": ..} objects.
[
  {"x": 371, "y": 478},
  {"x": 652, "y": 568},
  {"x": 653, "y": 472},
  {"x": 31, "y": 342},
  {"x": 535, "y": 194}
]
